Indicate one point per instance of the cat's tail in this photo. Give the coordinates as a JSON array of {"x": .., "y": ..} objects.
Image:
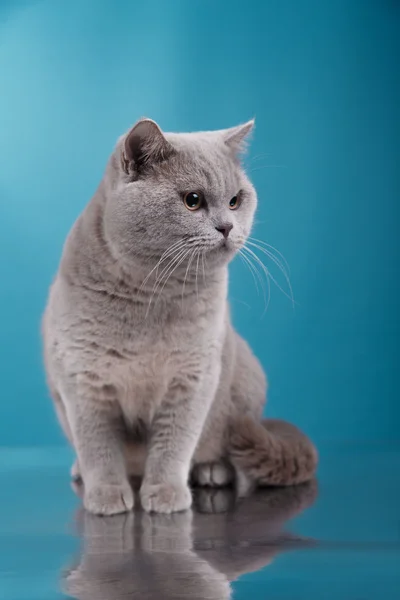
[{"x": 270, "y": 453}]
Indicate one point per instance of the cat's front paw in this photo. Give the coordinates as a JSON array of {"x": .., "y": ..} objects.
[
  {"x": 109, "y": 499},
  {"x": 165, "y": 497}
]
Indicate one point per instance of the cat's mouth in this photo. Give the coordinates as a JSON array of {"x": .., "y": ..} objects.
[
  {"x": 222, "y": 245},
  {"x": 225, "y": 246},
  {"x": 223, "y": 249}
]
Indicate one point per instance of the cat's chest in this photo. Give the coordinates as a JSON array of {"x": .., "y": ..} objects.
[
  {"x": 145, "y": 359},
  {"x": 144, "y": 367},
  {"x": 142, "y": 381}
]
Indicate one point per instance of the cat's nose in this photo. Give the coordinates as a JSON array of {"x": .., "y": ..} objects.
[{"x": 225, "y": 229}]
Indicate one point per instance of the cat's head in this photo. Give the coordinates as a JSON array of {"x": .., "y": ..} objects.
[{"x": 180, "y": 193}]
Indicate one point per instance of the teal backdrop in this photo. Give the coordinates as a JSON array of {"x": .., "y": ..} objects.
[{"x": 322, "y": 80}]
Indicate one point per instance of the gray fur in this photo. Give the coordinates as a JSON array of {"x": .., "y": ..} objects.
[{"x": 142, "y": 361}]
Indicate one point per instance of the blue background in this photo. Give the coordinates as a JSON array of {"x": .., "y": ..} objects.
[{"x": 321, "y": 78}]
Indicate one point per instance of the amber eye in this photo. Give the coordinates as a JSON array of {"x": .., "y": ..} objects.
[
  {"x": 193, "y": 200},
  {"x": 234, "y": 203}
]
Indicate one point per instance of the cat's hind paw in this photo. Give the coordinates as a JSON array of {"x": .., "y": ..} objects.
[{"x": 213, "y": 474}]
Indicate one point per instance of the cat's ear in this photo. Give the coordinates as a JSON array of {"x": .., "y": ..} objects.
[
  {"x": 144, "y": 145},
  {"x": 236, "y": 138}
]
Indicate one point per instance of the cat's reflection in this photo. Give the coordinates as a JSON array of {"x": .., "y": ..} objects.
[{"x": 195, "y": 554}]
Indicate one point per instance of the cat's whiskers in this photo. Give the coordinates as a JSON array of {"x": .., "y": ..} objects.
[
  {"x": 174, "y": 260},
  {"x": 183, "y": 243},
  {"x": 277, "y": 262},
  {"x": 170, "y": 250},
  {"x": 259, "y": 156},
  {"x": 177, "y": 262},
  {"x": 272, "y": 249},
  {"x": 268, "y": 274},
  {"x": 249, "y": 265},
  {"x": 254, "y": 268},
  {"x": 262, "y": 167},
  {"x": 204, "y": 270},
  {"x": 187, "y": 272},
  {"x": 197, "y": 272},
  {"x": 175, "y": 255}
]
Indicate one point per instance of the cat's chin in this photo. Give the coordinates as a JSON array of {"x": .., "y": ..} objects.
[{"x": 223, "y": 253}]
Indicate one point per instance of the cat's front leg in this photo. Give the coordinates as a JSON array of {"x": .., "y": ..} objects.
[
  {"x": 96, "y": 425},
  {"x": 176, "y": 430}
]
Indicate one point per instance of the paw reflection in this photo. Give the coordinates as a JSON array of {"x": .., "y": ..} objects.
[{"x": 192, "y": 555}]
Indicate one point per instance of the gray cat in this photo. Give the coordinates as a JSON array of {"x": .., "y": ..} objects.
[{"x": 147, "y": 374}]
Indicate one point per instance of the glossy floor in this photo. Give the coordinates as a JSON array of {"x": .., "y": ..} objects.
[{"x": 339, "y": 538}]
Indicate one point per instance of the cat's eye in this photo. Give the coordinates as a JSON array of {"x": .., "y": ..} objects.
[
  {"x": 235, "y": 202},
  {"x": 193, "y": 200}
]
